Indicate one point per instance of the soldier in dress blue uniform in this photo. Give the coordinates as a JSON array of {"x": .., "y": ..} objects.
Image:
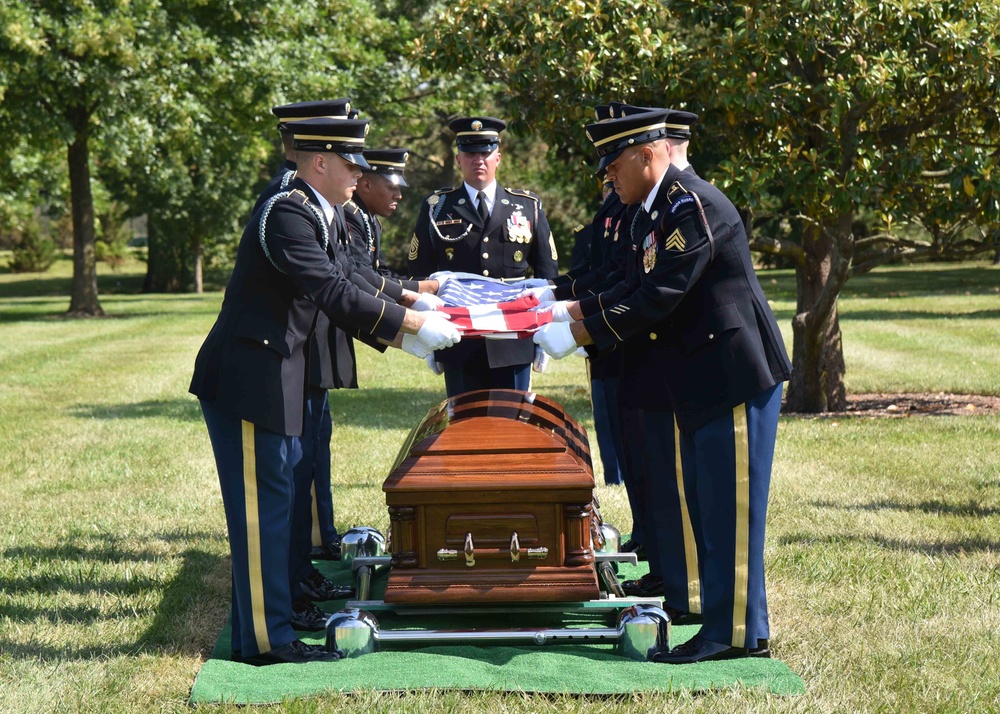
[
  {"x": 377, "y": 196},
  {"x": 485, "y": 229},
  {"x": 287, "y": 115},
  {"x": 252, "y": 371},
  {"x": 700, "y": 338}
]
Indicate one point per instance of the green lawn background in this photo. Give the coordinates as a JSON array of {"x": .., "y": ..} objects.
[{"x": 882, "y": 547}]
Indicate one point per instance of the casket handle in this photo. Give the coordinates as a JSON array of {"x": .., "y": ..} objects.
[
  {"x": 515, "y": 548},
  {"x": 470, "y": 551},
  {"x": 447, "y": 554},
  {"x": 538, "y": 553}
]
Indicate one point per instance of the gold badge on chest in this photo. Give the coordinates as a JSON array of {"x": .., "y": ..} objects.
[
  {"x": 518, "y": 256},
  {"x": 449, "y": 253}
]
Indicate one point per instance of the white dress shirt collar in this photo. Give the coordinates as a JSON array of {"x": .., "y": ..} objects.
[
  {"x": 648, "y": 203},
  {"x": 491, "y": 195},
  {"x": 324, "y": 205}
]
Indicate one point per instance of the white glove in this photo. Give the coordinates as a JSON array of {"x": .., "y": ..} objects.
[
  {"x": 412, "y": 345},
  {"x": 559, "y": 310},
  {"x": 581, "y": 352},
  {"x": 541, "y": 360},
  {"x": 544, "y": 294},
  {"x": 534, "y": 283},
  {"x": 556, "y": 338},
  {"x": 442, "y": 276},
  {"x": 427, "y": 301},
  {"x": 434, "y": 365},
  {"x": 436, "y": 334}
]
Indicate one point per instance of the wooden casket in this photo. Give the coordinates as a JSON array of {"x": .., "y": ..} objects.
[{"x": 491, "y": 501}]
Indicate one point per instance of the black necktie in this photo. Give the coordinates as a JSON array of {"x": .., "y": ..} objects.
[{"x": 484, "y": 212}]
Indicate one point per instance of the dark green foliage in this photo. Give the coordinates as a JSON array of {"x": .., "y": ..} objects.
[{"x": 35, "y": 252}]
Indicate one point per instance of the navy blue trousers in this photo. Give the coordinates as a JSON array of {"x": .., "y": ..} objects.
[
  {"x": 727, "y": 475},
  {"x": 255, "y": 474},
  {"x": 323, "y": 528},
  {"x": 607, "y": 426},
  {"x": 311, "y": 476},
  {"x": 655, "y": 472}
]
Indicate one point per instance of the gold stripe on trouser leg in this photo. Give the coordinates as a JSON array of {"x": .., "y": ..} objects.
[
  {"x": 253, "y": 539},
  {"x": 742, "y": 555},
  {"x": 317, "y": 539},
  {"x": 690, "y": 548}
]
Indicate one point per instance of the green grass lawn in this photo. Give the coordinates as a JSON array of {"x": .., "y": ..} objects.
[{"x": 883, "y": 547}]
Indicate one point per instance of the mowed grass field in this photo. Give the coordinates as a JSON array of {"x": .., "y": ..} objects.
[{"x": 883, "y": 548}]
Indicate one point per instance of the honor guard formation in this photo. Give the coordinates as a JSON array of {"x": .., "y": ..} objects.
[{"x": 685, "y": 359}]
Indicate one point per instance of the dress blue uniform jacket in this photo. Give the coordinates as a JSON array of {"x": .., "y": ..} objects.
[
  {"x": 450, "y": 235},
  {"x": 253, "y": 363},
  {"x": 700, "y": 335}
]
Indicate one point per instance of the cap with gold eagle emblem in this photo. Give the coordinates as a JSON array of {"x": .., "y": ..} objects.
[
  {"x": 641, "y": 126},
  {"x": 344, "y": 137},
  {"x": 322, "y": 109},
  {"x": 477, "y": 135},
  {"x": 389, "y": 163}
]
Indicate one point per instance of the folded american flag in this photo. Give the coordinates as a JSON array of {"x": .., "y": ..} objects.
[
  {"x": 464, "y": 289},
  {"x": 481, "y": 307}
]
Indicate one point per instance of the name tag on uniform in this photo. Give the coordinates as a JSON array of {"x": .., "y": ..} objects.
[{"x": 448, "y": 223}]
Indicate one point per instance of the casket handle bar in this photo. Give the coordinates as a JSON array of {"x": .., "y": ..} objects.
[
  {"x": 470, "y": 550},
  {"x": 515, "y": 551}
]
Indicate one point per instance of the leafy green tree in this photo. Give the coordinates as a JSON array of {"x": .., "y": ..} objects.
[{"x": 812, "y": 114}]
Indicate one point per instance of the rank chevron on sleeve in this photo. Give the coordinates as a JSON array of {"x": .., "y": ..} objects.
[{"x": 675, "y": 240}]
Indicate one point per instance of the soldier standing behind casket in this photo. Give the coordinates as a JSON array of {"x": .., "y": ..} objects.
[{"x": 485, "y": 229}]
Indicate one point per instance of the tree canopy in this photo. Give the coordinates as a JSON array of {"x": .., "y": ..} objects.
[{"x": 814, "y": 116}]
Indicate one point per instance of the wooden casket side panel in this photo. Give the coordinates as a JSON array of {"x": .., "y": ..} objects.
[{"x": 490, "y": 501}]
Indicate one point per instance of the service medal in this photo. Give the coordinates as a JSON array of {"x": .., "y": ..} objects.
[{"x": 648, "y": 253}]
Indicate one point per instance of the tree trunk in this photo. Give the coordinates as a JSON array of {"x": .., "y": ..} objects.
[
  {"x": 199, "y": 286},
  {"x": 168, "y": 264},
  {"x": 83, "y": 300},
  {"x": 817, "y": 383}
]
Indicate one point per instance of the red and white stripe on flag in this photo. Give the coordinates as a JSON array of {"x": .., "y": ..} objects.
[{"x": 510, "y": 320}]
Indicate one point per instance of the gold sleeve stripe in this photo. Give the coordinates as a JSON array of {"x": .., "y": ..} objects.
[
  {"x": 253, "y": 539},
  {"x": 742, "y": 486},
  {"x": 382, "y": 287},
  {"x": 379, "y": 319},
  {"x": 572, "y": 288},
  {"x": 605, "y": 316},
  {"x": 317, "y": 537},
  {"x": 690, "y": 548}
]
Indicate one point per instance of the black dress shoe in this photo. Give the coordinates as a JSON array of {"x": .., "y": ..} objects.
[
  {"x": 318, "y": 588},
  {"x": 682, "y": 617},
  {"x": 632, "y": 546},
  {"x": 699, "y": 649},
  {"x": 306, "y": 616},
  {"x": 294, "y": 651},
  {"x": 327, "y": 551},
  {"x": 646, "y": 586}
]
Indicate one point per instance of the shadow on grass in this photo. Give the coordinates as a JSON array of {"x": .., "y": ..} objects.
[
  {"x": 183, "y": 601},
  {"x": 941, "y": 508},
  {"x": 954, "y": 547},
  {"x": 181, "y": 409}
]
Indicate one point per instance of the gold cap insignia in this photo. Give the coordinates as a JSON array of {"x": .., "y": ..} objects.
[
  {"x": 347, "y": 107},
  {"x": 367, "y": 127},
  {"x": 477, "y": 125},
  {"x": 406, "y": 155},
  {"x": 589, "y": 137}
]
